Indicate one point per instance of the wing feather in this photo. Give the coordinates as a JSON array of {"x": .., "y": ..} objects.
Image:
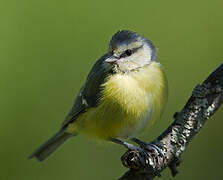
[{"x": 90, "y": 93}]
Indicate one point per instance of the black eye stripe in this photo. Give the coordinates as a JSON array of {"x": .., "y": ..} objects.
[{"x": 129, "y": 52}]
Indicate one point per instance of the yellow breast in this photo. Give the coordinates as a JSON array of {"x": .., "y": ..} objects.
[{"x": 128, "y": 104}]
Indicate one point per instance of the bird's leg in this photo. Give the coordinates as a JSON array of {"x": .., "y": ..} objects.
[
  {"x": 142, "y": 144},
  {"x": 127, "y": 145},
  {"x": 150, "y": 146}
]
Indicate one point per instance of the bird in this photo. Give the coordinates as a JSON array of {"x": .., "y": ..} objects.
[{"x": 123, "y": 95}]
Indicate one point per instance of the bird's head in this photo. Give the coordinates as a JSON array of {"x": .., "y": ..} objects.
[{"x": 129, "y": 51}]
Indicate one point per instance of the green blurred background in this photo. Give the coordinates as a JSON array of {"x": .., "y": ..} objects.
[{"x": 48, "y": 47}]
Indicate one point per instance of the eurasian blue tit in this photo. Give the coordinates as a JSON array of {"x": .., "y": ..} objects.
[{"x": 124, "y": 93}]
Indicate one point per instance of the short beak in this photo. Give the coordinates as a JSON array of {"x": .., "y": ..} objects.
[{"x": 111, "y": 59}]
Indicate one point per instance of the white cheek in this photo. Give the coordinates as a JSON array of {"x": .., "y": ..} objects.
[
  {"x": 147, "y": 52},
  {"x": 138, "y": 59},
  {"x": 142, "y": 56}
]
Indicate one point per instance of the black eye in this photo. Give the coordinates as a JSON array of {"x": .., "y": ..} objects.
[{"x": 128, "y": 52}]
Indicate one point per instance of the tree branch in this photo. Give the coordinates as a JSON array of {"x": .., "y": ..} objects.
[{"x": 205, "y": 100}]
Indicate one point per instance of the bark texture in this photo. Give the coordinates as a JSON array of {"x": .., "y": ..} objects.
[{"x": 147, "y": 163}]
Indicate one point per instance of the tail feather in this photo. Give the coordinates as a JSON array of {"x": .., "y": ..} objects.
[{"x": 50, "y": 146}]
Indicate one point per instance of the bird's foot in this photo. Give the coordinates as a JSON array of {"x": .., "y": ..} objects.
[
  {"x": 149, "y": 146},
  {"x": 135, "y": 162}
]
